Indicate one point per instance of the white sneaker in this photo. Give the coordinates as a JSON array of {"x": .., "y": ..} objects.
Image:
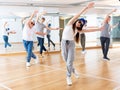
[
  {"x": 53, "y": 48},
  {"x": 83, "y": 52},
  {"x": 48, "y": 48},
  {"x": 37, "y": 60},
  {"x": 76, "y": 74},
  {"x": 69, "y": 81},
  {"x": 28, "y": 64},
  {"x": 47, "y": 52},
  {"x": 41, "y": 56}
]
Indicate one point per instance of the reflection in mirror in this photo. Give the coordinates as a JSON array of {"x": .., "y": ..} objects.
[{"x": 15, "y": 38}]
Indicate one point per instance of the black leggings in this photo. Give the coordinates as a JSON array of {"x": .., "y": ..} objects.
[
  {"x": 82, "y": 41},
  {"x": 105, "y": 42},
  {"x": 49, "y": 40}
]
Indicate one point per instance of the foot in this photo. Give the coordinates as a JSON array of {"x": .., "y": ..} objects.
[
  {"x": 106, "y": 58},
  {"x": 48, "y": 48},
  {"x": 28, "y": 64},
  {"x": 83, "y": 52},
  {"x": 69, "y": 81},
  {"x": 41, "y": 56},
  {"x": 37, "y": 60},
  {"x": 53, "y": 48},
  {"x": 47, "y": 52},
  {"x": 76, "y": 74}
]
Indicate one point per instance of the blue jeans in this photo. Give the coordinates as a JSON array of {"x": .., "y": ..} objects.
[
  {"x": 5, "y": 38},
  {"x": 28, "y": 47},
  {"x": 105, "y": 42},
  {"x": 41, "y": 43}
]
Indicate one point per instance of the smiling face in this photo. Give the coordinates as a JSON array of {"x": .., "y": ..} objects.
[
  {"x": 108, "y": 19},
  {"x": 31, "y": 24},
  {"x": 78, "y": 23}
]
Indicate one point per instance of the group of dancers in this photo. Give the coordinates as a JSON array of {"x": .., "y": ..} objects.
[{"x": 73, "y": 31}]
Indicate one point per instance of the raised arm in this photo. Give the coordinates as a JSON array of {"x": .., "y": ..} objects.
[
  {"x": 90, "y": 5},
  {"x": 107, "y": 16},
  {"x": 114, "y": 26},
  {"x": 40, "y": 14},
  {"x": 31, "y": 17}
]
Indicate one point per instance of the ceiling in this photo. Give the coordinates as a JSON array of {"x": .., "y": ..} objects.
[{"x": 22, "y": 8}]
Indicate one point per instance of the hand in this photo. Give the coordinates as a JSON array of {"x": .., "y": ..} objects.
[
  {"x": 90, "y": 5},
  {"x": 101, "y": 28},
  {"x": 114, "y": 10},
  {"x": 45, "y": 33},
  {"x": 44, "y": 12},
  {"x": 36, "y": 11},
  {"x": 13, "y": 32},
  {"x": 57, "y": 28}
]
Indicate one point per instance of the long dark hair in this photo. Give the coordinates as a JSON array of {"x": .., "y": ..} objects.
[{"x": 77, "y": 36}]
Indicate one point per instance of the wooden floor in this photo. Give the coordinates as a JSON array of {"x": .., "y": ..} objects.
[{"x": 50, "y": 74}]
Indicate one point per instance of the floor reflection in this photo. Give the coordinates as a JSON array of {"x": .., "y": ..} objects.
[{"x": 19, "y": 47}]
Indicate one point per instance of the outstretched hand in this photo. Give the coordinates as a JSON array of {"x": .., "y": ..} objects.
[
  {"x": 101, "y": 28},
  {"x": 36, "y": 11},
  {"x": 13, "y": 32},
  {"x": 90, "y": 5},
  {"x": 114, "y": 10},
  {"x": 43, "y": 13}
]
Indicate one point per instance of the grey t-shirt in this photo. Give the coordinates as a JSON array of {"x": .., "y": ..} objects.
[
  {"x": 106, "y": 31},
  {"x": 48, "y": 32},
  {"x": 40, "y": 28}
]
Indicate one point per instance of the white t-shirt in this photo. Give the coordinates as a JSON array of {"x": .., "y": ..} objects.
[
  {"x": 68, "y": 33},
  {"x": 28, "y": 33},
  {"x": 5, "y": 31}
]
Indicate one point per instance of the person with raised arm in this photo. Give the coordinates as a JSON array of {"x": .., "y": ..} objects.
[
  {"x": 105, "y": 35},
  {"x": 28, "y": 37},
  {"x": 6, "y": 31},
  {"x": 40, "y": 29},
  {"x": 70, "y": 33}
]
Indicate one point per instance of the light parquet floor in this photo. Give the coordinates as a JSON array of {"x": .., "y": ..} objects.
[{"x": 50, "y": 74}]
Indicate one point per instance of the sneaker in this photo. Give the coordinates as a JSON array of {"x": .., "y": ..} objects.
[
  {"x": 48, "y": 48},
  {"x": 28, "y": 64},
  {"x": 53, "y": 48},
  {"x": 36, "y": 60},
  {"x": 41, "y": 56},
  {"x": 69, "y": 81},
  {"x": 106, "y": 58},
  {"x": 83, "y": 52},
  {"x": 76, "y": 74},
  {"x": 47, "y": 52}
]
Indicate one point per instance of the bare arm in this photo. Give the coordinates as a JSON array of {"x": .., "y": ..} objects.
[
  {"x": 81, "y": 12},
  {"x": 41, "y": 33},
  {"x": 92, "y": 29},
  {"x": 114, "y": 26},
  {"x": 114, "y": 10},
  {"x": 12, "y": 32},
  {"x": 31, "y": 17},
  {"x": 49, "y": 28},
  {"x": 39, "y": 15}
]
